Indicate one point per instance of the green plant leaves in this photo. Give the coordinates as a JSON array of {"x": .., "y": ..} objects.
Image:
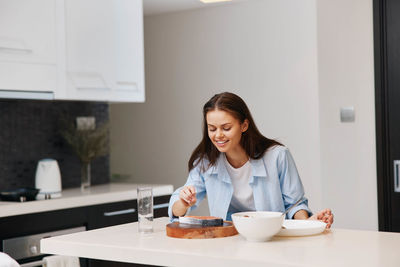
[{"x": 87, "y": 144}]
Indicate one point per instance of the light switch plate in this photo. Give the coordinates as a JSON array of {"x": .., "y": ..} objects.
[{"x": 347, "y": 114}]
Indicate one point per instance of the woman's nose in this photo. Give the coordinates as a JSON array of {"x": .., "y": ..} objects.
[{"x": 219, "y": 133}]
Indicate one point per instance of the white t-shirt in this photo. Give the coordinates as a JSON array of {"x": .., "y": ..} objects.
[{"x": 242, "y": 198}]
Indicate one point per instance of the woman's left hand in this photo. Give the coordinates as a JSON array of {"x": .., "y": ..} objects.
[{"x": 325, "y": 216}]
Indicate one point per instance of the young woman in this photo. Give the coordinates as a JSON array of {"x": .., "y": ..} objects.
[{"x": 239, "y": 169}]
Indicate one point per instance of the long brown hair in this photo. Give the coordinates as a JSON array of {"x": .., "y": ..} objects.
[{"x": 253, "y": 142}]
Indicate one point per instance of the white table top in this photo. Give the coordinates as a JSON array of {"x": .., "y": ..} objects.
[
  {"x": 74, "y": 197},
  {"x": 336, "y": 247}
]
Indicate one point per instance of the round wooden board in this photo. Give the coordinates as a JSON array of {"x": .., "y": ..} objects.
[{"x": 189, "y": 231}]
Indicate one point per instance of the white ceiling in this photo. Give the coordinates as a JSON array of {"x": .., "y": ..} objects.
[{"x": 152, "y": 7}]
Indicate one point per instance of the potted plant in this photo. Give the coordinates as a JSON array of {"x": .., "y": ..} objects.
[{"x": 88, "y": 142}]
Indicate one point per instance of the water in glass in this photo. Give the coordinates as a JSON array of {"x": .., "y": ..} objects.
[{"x": 145, "y": 210}]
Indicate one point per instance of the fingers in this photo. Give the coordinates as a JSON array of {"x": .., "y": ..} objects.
[
  {"x": 191, "y": 189},
  {"x": 320, "y": 215},
  {"x": 327, "y": 211},
  {"x": 188, "y": 195},
  {"x": 326, "y": 216},
  {"x": 328, "y": 219}
]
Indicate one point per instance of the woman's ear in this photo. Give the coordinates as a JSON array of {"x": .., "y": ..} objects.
[{"x": 245, "y": 125}]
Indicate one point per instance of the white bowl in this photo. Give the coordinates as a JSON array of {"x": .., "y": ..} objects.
[{"x": 258, "y": 225}]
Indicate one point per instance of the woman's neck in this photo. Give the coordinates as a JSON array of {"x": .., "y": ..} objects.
[{"x": 237, "y": 158}]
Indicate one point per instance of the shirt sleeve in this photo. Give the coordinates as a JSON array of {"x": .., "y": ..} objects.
[
  {"x": 291, "y": 186},
  {"x": 195, "y": 179}
]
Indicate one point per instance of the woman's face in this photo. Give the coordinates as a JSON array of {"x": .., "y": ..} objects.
[{"x": 224, "y": 130}]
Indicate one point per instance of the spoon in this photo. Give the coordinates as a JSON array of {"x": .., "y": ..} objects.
[{"x": 294, "y": 205}]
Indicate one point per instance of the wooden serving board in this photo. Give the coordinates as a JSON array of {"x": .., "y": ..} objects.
[{"x": 189, "y": 231}]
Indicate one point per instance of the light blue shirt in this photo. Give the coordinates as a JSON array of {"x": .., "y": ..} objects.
[{"x": 275, "y": 182}]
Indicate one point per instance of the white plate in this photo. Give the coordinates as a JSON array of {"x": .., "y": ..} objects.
[{"x": 302, "y": 227}]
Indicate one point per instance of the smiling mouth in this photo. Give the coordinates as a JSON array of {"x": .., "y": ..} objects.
[{"x": 221, "y": 142}]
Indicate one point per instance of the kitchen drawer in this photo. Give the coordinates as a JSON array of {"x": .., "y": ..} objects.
[
  {"x": 112, "y": 214},
  {"x": 28, "y": 224},
  {"x": 123, "y": 212},
  {"x": 161, "y": 206}
]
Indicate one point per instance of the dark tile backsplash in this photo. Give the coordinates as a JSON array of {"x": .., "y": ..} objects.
[{"x": 29, "y": 131}]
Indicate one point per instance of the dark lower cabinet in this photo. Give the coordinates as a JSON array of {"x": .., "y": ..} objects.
[
  {"x": 89, "y": 217},
  {"x": 34, "y": 224}
]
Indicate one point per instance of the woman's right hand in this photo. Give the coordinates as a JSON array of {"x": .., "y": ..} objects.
[{"x": 188, "y": 195}]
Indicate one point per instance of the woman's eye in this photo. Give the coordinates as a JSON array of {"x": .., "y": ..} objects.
[
  {"x": 211, "y": 130},
  {"x": 227, "y": 129}
]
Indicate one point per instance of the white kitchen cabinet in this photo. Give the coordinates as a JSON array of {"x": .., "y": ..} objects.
[
  {"x": 89, "y": 50},
  {"x": 104, "y": 50},
  {"x": 28, "y": 45}
]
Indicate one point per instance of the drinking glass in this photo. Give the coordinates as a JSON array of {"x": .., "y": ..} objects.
[{"x": 145, "y": 209}]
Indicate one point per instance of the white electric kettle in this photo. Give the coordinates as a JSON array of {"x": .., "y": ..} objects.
[{"x": 48, "y": 179}]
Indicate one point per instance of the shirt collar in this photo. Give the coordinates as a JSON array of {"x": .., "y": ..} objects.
[
  {"x": 219, "y": 169},
  {"x": 257, "y": 167}
]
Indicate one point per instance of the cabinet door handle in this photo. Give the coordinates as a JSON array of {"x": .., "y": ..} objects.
[
  {"x": 396, "y": 184},
  {"x": 88, "y": 81},
  {"x": 160, "y": 206},
  {"x": 127, "y": 211},
  {"x": 13, "y": 50},
  {"x": 127, "y": 86},
  {"x": 119, "y": 212}
]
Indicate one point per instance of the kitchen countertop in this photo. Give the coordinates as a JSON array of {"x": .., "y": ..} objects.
[
  {"x": 74, "y": 197},
  {"x": 336, "y": 247}
]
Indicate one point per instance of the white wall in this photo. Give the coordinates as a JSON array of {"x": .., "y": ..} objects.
[
  {"x": 263, "y": 50},
  {"x": 346, "y": 78}
]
